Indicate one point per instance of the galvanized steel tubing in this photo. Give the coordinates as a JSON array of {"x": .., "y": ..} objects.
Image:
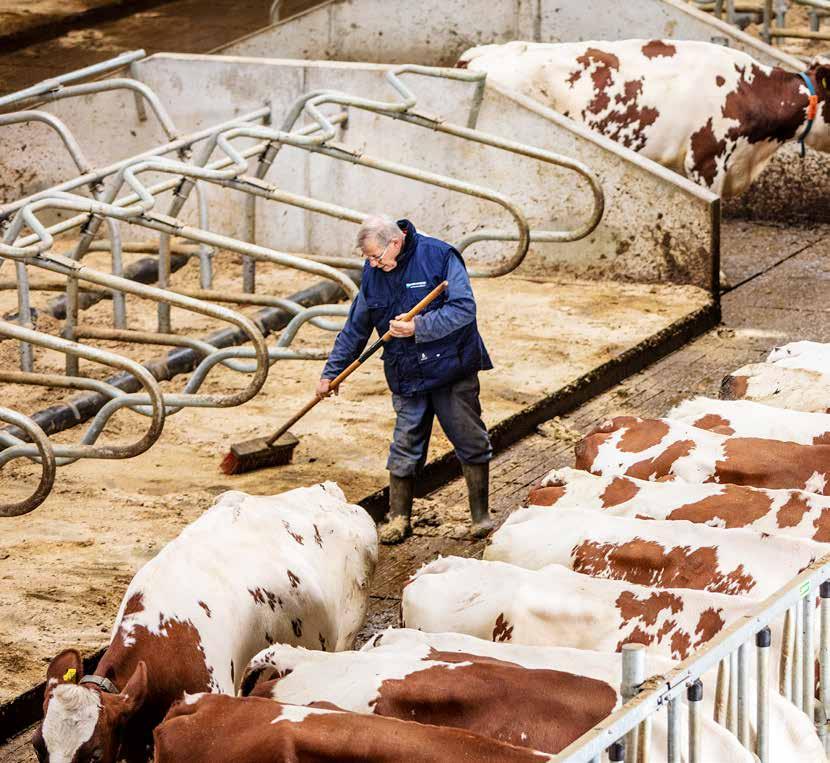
[
  {"x": 402, "y": 110},
  {"x": 47, "y": 465},
  {"x": 795, "y": 602},
  {"x": 65, "y": 454}
]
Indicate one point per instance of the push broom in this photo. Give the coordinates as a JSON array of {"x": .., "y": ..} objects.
[{"x": 277, "y": 449}]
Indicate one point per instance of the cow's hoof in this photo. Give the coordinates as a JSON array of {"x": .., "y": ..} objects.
[
  {"x": 483, "y": 528},
  {"x": 394, "y": 531}
]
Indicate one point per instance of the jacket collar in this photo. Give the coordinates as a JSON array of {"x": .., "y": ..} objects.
[{"x": 410, "y": 242}]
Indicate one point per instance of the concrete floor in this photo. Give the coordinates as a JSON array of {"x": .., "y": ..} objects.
[{"x": 181, "y": 26}]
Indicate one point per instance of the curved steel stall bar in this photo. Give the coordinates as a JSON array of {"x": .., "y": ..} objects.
[
  {"x": 402, "y": 110},
  {"x": 48, "y": 467},
  {"x": 87, "y": 449},
  {"x": 75, "y": 270}
]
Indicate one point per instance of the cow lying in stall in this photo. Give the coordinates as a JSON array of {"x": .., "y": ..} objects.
[
  {"x": 547, "y": 696},
  {"x": 662, "y": 448},
  {"x": 779, "y": 386},
  {"x": 746, "y": 418},
  {"x": 251, "y": 571},
  {"x": 662, "y": 554},
  {"x": 709, "y": 112},
  {"x": 555, "y": 607},
  {"x": 790, "y": 513},
  {"x": 216, "y": 728}
]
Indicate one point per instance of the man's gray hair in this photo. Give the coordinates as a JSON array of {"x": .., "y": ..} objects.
[{"x": 382, "y": 229}]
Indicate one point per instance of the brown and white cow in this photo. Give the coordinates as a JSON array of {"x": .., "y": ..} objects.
[
  {"x": 746, "y": 418},
  {"x": 658, "y": 553},
  {"x": 779, "y": 386},
  {"x": 785, "y": 513},
  {"x": 251, "y": 571},
  {"x": 664, "y": 449},
  {"x": 555, "y": 606},
  {"x": 215, "y": 728},
  {"x": 547, "y": 696},
  {"x": 811, "y": 356},
  {"x": 709, "y": 112}
]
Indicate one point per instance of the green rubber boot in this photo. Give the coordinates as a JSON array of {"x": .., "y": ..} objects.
[
  {"x": 477, "y": 477},
  {"x": 397, "y": 526}
]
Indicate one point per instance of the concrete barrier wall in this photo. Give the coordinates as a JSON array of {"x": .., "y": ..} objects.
[
  {"x": 435, "y": 32},
  {"x": 657, "y": 226}
]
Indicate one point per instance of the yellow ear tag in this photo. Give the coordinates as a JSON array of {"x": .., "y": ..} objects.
[
  {"x": 69, "y": 676},
  {"x": 824, "y": 82}
]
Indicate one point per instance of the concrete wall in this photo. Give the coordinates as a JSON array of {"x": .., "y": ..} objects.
[
  {"x": 435, "y": 32},
  {"x": 657, "y": 226}
]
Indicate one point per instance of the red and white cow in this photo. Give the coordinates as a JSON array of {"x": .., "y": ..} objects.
[
  {"x": 785, "y": 513},
  {"x": 662, "y": 554},
  {"x": 556, "y": 606},
  {"x": 810, "y": 356},
  {"x": 661, "y": 448},
  {"x": 746, "y": 418},
  {"x": 547, "y": 696},
  {"x": 251, "y": 571},
  {"x": 709, "y": 112},
  {"x": 215, "y": 728},
  {"x": 779, "y": 386}
]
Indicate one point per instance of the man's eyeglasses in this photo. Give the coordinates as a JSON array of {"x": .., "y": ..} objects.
[{"x": 376, "y": 258}]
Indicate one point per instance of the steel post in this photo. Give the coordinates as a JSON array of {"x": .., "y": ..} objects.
[
  {"x": 763, "y": 639},
  {"x": 673, "y": 732},
  {"x": 694, "y": 695},
  {"x": 633, "y": 675}
]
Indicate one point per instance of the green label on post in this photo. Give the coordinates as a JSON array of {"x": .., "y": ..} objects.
[{"x": 805, "y": 588}]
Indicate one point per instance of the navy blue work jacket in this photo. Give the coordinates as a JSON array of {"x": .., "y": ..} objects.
[{"x": 447, "y": 345}]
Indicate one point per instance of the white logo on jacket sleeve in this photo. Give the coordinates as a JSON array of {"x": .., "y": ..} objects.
[{"x": 416, "y": 285}]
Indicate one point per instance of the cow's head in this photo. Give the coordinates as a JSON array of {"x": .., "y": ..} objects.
[
  {"x": 819, "y": 73},
  {"x": 81, "y": 722}
]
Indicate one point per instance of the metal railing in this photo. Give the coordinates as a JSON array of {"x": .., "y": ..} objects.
[
  {"x": 206, "y": 157},
  {"x": 796, "y": 603},
  {"x": 772, "y": 14},
  {"x": 46, "y": 457}
]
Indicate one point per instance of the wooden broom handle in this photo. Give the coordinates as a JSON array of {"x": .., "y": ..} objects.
[{"x": 354, "y": 365}]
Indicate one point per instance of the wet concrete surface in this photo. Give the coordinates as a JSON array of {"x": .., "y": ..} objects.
[{"x": 183, "y": 26}]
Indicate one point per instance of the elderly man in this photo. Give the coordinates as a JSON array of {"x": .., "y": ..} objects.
[{"x": 431, "y": 366}]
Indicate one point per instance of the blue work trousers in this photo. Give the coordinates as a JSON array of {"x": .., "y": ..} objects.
[{"x": 458, "y": 410}]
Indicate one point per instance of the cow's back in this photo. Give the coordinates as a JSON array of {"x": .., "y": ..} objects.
[{"x": 253, "y": 570}]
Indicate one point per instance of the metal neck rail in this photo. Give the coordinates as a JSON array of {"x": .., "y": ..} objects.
[
  {"x": 228, "y": 171},
  {"x": 16, "y": 448},
  {"x": 645, "y": 698}
]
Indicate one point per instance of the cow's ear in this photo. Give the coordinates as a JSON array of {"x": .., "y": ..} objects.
[
  {"x": 822, "y": 74},
  {"x": 135, "y": 692},
  {"x": 66, "y": 668}
]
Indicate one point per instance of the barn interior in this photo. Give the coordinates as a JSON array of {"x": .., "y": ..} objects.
[{"x": 569, "y": 322}]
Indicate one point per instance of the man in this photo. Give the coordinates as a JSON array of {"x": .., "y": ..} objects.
[{"x": 431, "y": 365}]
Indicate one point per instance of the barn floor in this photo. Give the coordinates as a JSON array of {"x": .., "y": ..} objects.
[
  {"x": 781, "y": 292},
  {"x": 103, "y": 520}
]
